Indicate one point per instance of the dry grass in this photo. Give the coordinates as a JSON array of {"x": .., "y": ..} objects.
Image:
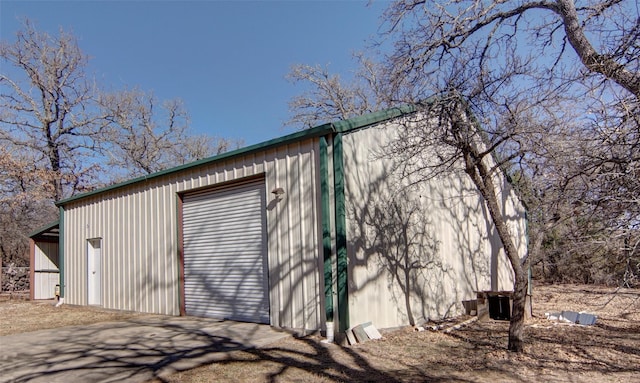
[
  {"x": 606, "y": 352},
  {"x": 18, "y": 316}
]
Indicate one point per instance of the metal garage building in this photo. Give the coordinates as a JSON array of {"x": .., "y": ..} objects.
[{"x": 280, "y": 232}]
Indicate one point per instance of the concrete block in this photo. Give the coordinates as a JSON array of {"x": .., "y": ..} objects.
[
  {"x": 372, "y": 331},
  {"x": 361, "y": 335},
  {"x": 351, "y": 338}
]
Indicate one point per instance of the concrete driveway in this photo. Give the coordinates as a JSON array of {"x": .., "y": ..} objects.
[{"x": 135, "y": 350}]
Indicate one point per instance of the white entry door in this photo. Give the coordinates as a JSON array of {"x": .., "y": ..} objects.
[{"x": 94, "y": 262}]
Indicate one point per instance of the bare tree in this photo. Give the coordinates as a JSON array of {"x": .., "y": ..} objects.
[
  {"x": 147, "y": 136},
  {"x": 140, "y": 140},
  {"x": 550, "y": 96},
  {"x": 329, "y": 98},
  {"x": 60, "y": 134},
  {"x": 48, "y": 130},
  {"x": 48, "y": 106},
  {"x": 444, "y": 138},
  {"x": 25, "y": 203},
  {"x": 197, "y": 147},
  {"x": 522, "y": 65},
  {"x": 444, "y": 129}
]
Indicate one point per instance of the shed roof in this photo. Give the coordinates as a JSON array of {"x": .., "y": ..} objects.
[
  {"x": 341, "y": 126},
  {"x": 50, "y": 231}
]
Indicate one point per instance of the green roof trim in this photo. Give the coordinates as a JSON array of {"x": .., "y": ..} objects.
[
  {"x": 372, "y": 118},
  {"x": 326, "y": 229},
  {"x": 320, "y": 130},
  {"x": 313, "y": 132},
  {"x": 342, "y": 262},
  {"x": 43, "y": 229}
]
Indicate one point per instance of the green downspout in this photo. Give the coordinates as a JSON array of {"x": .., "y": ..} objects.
[
  {"x": 341, "y": 233},
  {"x": 61, "y": 250},
  {"x": 326, "y": 229}
]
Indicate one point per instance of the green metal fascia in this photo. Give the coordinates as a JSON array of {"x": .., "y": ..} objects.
[
  {"x": 294, "y": 137},
  {"x": 372, "y": 118},
  {"x": 43, "y": 229},
  {"x": 326, "y": 228},
  {"x": 341, "y": 234},
  {"x": 318, "y": 131},
  {"x": 61, "y": 251}
]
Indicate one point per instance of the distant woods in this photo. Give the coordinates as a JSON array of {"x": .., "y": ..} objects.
[{"x": 63, "y": 133}]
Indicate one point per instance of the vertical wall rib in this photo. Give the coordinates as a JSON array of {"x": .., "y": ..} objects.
[{"x": 138, "y": 227}]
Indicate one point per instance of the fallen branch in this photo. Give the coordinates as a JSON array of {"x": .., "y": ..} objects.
[
  {"x": 460, "y": 325},
  {"x": 448, "y": 329}
]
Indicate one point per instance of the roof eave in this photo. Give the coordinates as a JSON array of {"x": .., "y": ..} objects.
[
  {"x": 39, "y": 232},
  {"x": 321, "y": 130}
]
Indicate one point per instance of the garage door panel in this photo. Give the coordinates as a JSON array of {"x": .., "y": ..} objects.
[
  {"x": 225, "y": 254},
  {"x": 231, "y": 206},
  {"x": 233, "y": 230},
  {"x": 230, "y": 219},
  {"x": 238, "y": 239}
]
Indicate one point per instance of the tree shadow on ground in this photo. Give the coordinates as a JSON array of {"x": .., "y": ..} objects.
[
  {"x": 156, "y": 347},
  {"x": 140, "y": 350},
  {"x": 331, "y": 362},
  {"x": 134, "y": 350}
]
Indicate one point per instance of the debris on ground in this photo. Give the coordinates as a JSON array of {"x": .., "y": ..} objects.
[
  {"x": 362, "y": 333},
  {"x": 572, "y": 317},
  {"x": 449, "y": 325}
]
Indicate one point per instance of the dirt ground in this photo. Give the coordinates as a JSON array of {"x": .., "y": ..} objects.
[
  {"x": 19, "y": 315},
  {"x": 609, "y": 351}
]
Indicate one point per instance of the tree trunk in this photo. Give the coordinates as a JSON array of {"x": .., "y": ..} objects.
[
  {"x": 53, "y": 154},
  {"x": 516, "y": 324},
  {"x": 482, "y": 178},
  {"x": 591, "y": 59}
]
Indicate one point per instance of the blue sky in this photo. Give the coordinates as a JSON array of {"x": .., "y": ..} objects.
[{"x": 226, "y": 60}]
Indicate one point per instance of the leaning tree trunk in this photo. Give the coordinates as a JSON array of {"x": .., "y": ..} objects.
[
  {"x": 592, "y": 59},
  {"x": 482, "y": 178}
]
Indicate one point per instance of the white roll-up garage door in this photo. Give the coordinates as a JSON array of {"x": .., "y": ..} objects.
[{"x": 225, "y": 265}]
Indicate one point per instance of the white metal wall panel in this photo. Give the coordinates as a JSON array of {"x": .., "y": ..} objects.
[
  {"x": 446, "y": 211},
  {"x": 46, "y": 273},
  {"x": 139, "y": 227},
  {"x": 225, "y": 264}
]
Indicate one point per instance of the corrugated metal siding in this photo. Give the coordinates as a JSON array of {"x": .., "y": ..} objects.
[
  {"x": 138, "y": 225},
  {"x": 225, "y": 265},
  {"x": 447, "y": 212},
  {"x": 46, "y": 272},
  {"x": 294, "y": 240},
  {"x": 516, "y": 221}
]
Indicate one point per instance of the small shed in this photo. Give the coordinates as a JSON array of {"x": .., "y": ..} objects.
[
  {"x": 295, "y": 232},
  {"x": 44, "y": 261}
]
